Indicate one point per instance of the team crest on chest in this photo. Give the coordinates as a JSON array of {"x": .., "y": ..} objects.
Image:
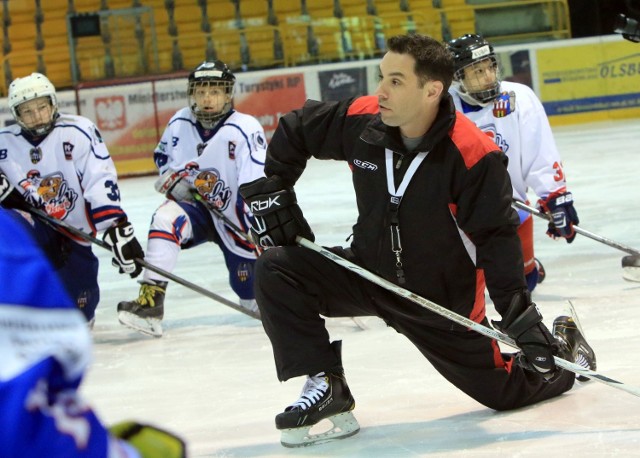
[
  {"x": 35, "y": 154},
  {"x": 59, "y": 198},
  {"x": 504, "y": 105}
]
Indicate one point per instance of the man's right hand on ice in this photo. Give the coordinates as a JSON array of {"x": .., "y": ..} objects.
[
  {"x": 522, "y": 322},
  {"x": 278, "y": 219},
  {"x": 149, "y": 441}
]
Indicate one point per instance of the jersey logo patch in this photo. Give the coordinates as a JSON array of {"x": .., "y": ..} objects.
[
  {"x": 366, "y": 165},
  {"x": 504, "y": 105},
  {"x": 59, "y": 199},
  {"x": 35, "y": 154},
  {"x": 232, "y": 150},
  {"x": 67, "y": 148},
  {"x": 258, "y": 140},
  {"x": 209, "y": 185}
]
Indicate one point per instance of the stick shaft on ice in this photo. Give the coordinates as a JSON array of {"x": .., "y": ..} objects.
[
  {"x": 579, "y": 230},
  {"x": 67, "y": 229},
  {"x": 484, "y": 330}
]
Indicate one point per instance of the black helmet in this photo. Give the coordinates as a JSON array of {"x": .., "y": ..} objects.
[
  {"x": 468, "y": 50},
  {"x": 209, "y": 74}
]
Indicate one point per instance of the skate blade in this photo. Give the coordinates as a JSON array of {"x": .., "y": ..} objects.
[
  {"x": 148, "y": 326},
  {"x": 344, "y": 425},
  {"x": 631, "y": 273}
]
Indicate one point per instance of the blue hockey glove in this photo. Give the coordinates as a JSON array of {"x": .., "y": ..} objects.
[
  {"x": 277, "y": 216},
  {"x": 563, "y": 216}
]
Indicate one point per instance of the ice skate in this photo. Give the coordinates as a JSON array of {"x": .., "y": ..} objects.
[
  {"x": 324, "y": 396},
  {"x": 573, "y": 343},
  {"x": 145, "y": 313}
]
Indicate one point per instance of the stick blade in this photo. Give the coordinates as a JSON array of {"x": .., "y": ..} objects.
[{"x": 631, "y": 268}]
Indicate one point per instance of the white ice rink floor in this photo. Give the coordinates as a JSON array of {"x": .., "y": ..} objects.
[{"x": 211, "y": 377}]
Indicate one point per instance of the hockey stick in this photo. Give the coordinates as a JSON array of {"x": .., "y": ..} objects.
[
  {"x": 630, "y": 264},
  {"x": 65, "y": 228},
  {"x": 242, "y": 234},
  {"x": 579, "y": 230},
  {"x": 432, "y": 306}
]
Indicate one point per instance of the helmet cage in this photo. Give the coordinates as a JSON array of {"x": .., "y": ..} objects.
[
  {"x": 208, "y": 75},
  {"x": 32, "y": 87},
  {"x": 468, "y": 82}
]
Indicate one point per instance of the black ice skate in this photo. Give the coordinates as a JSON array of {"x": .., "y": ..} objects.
[
  {"x": 324, "y": 396},
  {"x": 146, "y": 312},
  {"x": 573, "y": 344}
]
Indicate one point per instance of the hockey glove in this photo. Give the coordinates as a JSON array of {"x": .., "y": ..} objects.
[
  {"x": 523, "y": 323},
  {"x": 277, "y": 216},
  {"x": 125, "y": 248},
  {"x": 563, "y": 215},
  {"x": 149, "y": 441},
  {"x": 173, "y": 185}
]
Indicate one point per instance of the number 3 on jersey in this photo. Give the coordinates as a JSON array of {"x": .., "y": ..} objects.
[{"x": 559, "y": 176}]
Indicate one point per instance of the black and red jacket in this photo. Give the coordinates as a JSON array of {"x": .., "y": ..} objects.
[{"x": 457, "y": 227}]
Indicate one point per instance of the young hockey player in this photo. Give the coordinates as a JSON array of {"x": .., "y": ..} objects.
[
  {"x": 58, "y": 163},
  {"x": 46, "y": 348},
  {"x": 207, "y": 150},
  {"x": 435, "y": 217},
  {"x": 511, "y": 115}
]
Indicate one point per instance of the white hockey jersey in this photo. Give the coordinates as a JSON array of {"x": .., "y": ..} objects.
[
  {"x": 71, "y": 170},
  {"x": 216, "y": 163},
  {"x": 516, "y": 121}
]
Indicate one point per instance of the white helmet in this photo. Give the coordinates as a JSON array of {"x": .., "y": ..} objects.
[{"x": 28, "y": 88}]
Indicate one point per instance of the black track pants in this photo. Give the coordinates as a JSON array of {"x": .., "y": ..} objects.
[{"x": 295, "y": 285}]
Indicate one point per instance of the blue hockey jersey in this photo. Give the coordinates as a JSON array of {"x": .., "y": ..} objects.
[{"x": 45, "y": 347}]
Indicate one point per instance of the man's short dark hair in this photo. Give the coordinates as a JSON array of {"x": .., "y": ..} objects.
[{"x": 433, "y": 61}]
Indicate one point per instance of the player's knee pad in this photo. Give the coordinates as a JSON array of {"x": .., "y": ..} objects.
[{"x": 171, "y": 222}]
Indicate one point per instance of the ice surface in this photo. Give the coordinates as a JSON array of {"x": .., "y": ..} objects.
[{"x": 211, "y": 378}]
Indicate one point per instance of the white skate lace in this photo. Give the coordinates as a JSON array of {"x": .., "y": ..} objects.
[
  {"x": 312, "y": 391},
  {"x": 581, "y": 360}
]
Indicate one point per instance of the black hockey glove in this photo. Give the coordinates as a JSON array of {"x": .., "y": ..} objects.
[
  {"x": 125, "y": 248},
  {"x": 563, "y": 215},
  {"x": 10, "y": 197},
  {"x": 523, "y": 323},
  {"x": 277, "y": 216},
  {"x": 150, "y": 441}
]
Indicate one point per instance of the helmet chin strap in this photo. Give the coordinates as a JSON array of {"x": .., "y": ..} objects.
[{"x": 468, "y": 98}]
